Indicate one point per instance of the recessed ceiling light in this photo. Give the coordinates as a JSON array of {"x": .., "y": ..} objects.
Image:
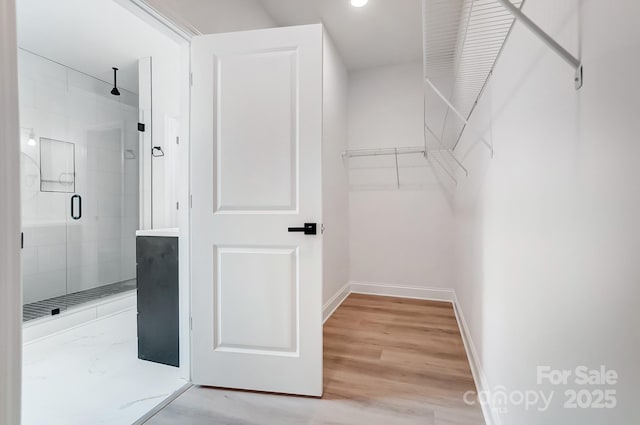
[{"x": 359, "y": 3}]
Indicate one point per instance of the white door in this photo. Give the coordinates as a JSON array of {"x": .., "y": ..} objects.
[{"x": 256, "y": 172}]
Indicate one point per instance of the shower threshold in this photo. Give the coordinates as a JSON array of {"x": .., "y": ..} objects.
[{"x": 59, "y": 304}]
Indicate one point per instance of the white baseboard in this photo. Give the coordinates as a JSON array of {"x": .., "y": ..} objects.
[
  {"x": 479, "y": 377},
  {"x": 332, "y": 305},
  {"x": 388, "y": 290}
]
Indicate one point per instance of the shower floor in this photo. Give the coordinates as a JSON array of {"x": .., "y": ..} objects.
[{"x": 45, "y": 307}]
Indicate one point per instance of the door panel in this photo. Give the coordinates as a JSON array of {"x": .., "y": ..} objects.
[
  {"x": 251, "y": 129},
  {"x": 265, "y": 282},
  {"x": 256, "y": 171}
]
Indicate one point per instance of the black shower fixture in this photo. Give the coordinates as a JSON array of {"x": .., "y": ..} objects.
[{"x": 115, "y": 90}]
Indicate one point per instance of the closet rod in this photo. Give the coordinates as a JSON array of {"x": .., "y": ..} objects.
[{"x": 547, "y": 39}]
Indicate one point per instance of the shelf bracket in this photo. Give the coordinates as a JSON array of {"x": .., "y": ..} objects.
[
  {"x": 466, "y": 172},
  {"x": 547, "y": 39},
  {"x": 432, "y": 159},
  {"x": 457, "y": 113}
]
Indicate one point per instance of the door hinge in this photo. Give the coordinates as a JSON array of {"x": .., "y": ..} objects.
[
  {"x": 191, "y": 323},
  {"x": 177, "y": 140},
  {"x": 141, "y": 127},
  {"x": 191, "y": 78},
  {"x": 177, "y": 205},
  {"x": 22, "y": 240},
  {"x": 190, "y": 201}
]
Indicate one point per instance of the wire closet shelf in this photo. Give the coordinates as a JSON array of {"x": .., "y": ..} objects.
[{"x": 462, "y": 41}]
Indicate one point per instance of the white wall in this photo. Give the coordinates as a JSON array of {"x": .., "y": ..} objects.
[
  {"x": 10, "y": 287},
  {"x": 548, "y": 231},
  {"x": 214, "y": 16},
  {"x": 397, "y": 236},
  {"x": 335, "y": 194},
  {"x": 166, "y": 125}
]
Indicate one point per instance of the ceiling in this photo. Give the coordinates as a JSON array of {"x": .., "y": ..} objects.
[
  {"x": 384, "y": 32},
  {"x": 89, "y": 36},
  {"x": 92, "y": 36}
]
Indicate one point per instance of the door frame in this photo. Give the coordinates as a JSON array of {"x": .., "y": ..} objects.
[
  {"x": 182, "y": 36},
  {"x": 10, "y": 222},
  {"x": 10, "y": 219}
]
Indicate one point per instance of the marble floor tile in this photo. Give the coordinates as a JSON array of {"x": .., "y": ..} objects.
[{"x": 91, "y": 375}]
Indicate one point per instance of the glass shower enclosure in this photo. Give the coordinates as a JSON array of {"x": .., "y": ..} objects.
[{"x": 79, "y": 182}]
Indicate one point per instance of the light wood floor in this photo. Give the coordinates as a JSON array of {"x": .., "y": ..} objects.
[{"x": 387, "y": 361}]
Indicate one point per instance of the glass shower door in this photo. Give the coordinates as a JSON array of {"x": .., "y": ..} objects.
[
  {"x": 79, "y": 187},
  {"x": 101, "y": 234}
]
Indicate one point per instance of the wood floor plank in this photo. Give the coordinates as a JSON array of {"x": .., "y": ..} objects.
[{"x": 386, "y": 361}]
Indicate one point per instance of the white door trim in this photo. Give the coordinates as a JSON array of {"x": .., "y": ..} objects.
[
  {"x": 183, "y": 35},
  {"x": 10, "y": 222},
  {"x": 178, "y": 31}
]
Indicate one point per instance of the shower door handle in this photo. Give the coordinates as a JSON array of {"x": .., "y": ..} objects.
[{"x": 73, "y": 214}]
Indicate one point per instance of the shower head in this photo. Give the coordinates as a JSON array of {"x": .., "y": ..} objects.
[{"x": 115, "y": 90}]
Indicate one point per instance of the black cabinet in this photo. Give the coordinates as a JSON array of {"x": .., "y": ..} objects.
[{"x": 158, "y": 300}]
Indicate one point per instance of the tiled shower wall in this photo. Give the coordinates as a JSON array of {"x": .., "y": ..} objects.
[{"x": 62, "y": 255}]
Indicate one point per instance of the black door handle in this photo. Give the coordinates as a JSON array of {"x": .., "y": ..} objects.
[
  {"x": 74, "y": 216},
  {"x": 308, "y": 229}
]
